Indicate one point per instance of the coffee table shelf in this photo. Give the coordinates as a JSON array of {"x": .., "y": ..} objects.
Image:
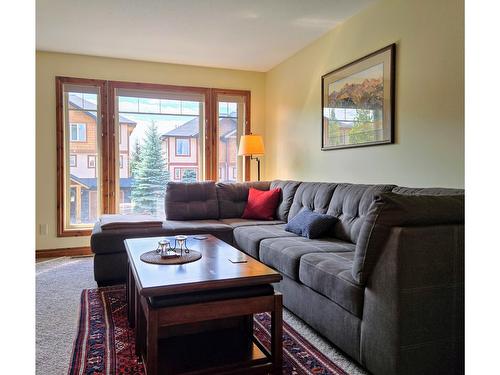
[{"x": 211, "y": 353}]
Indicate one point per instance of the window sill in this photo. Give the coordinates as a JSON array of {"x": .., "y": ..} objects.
[{"x": 74, "y": 232}]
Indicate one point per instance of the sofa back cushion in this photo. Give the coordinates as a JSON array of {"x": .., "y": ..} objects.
[
  {"x": 315, "y": 196},
  {"x": 427, "y": 191},
  {"x": 350, "y": 203},
  {"x": 397, "y": 210},
  {"x": 233, "y": 197},
  {"x": 288, "y": 189},
  {"x": 191, "y": 201}
]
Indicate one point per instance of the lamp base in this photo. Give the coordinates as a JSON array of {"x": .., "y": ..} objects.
[{"x": 258, "y": 166}]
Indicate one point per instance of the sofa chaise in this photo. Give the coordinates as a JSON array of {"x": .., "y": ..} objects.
[{"x": 385, "y": 284}]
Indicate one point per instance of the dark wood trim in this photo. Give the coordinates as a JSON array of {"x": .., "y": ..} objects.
[
  {"x": 392, "y": 49},
  {"x": 67, "y": 251}
]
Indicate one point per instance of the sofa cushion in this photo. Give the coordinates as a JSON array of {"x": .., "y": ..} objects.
[
  {"x": 315, "y": 196},
  {"x": 330, "y": 275},
  {"x": 262, "y": 204},
  {"x": 397, "y": 210},
  {"x": 233, "y": 197},
  {"x": 288, "y": 189},
  {"x": 350, "y": 203},
  {"x": 310, "y": 224},
  {"x": 284, "y": 254},
  {"x": 111, "y": 241},
  {"x": 191, "y": 201},
  {"x": 247, "y": 238},
  {"x": 240, "y": 222},
  {"x": 196, "y": 226}
]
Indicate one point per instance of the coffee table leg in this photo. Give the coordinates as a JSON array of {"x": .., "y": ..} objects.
[
  {"x": 152, "y": 342},
  {"x": 139, "y": 324},
  {"x": 277, "y": 334},
  {"x": 130, "y": 297}
]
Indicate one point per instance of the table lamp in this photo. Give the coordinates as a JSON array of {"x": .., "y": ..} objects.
[{"x": 250, "y": 145}]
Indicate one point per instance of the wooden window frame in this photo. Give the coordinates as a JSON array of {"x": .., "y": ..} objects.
[
  {"x": 247, "y": 128},
  {"x": 108, "y": 146},
  {"x": 62, "y": 231}
]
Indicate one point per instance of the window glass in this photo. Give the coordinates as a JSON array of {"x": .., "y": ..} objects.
[
  {"x": 81, "y": 151},
  {"x": 230, "y": 127},
  {"x": 161, "y": 139}
]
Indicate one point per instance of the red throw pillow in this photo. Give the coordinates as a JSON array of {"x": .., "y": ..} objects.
[{"x": 262, "y": 204}]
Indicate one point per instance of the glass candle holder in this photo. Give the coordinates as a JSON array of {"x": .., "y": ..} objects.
[{"x": 181, "y": 242}]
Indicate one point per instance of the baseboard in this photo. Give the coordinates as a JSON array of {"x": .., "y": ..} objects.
[{"x": 63, "y": 252}]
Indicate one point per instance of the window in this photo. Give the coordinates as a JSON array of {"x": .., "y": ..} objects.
[
  {"x": 78, "y": 132},
  {"x": 177, "y": 173},
  {"x": 79, "y": 120},
  {"x": 132, "y": 132},
  {"x": 186, "y": 174},
  {"x": 182, "y": 147},
  {"x": 91, "y": 161},
  {"x": 232, "y": 114}
]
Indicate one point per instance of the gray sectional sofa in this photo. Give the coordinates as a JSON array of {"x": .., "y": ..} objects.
[{"x": 385, "y": 284}]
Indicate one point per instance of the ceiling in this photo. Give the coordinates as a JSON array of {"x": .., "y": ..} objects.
[{"x": 240, "y": 34}]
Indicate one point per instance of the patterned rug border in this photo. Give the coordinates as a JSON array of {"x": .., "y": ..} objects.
[{"x": 95, "y": 351}]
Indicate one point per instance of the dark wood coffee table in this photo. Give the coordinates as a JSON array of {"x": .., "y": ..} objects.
[{"x": 199, "y": 333}]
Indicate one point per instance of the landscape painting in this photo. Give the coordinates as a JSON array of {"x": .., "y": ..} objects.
[{"x": 357, "y": 102}]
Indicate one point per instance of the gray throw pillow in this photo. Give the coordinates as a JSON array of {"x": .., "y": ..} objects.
[{"x": 310, "y": 224}]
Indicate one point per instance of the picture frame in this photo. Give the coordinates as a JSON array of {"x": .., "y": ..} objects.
[{"x": 357, "y": 102}]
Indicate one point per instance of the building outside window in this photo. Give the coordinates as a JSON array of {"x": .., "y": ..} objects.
[{"x": 72, "y": 160}]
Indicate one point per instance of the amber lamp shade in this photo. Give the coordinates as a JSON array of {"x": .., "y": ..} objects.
[{"x": 250, "y": 145}]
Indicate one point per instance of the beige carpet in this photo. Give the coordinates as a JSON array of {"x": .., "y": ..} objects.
[{"x": 59, "y": 283}]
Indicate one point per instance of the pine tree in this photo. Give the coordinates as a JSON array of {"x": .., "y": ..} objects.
[
  {"x": 189, "y": 175},
  {"x": 135, "y": 158},
  {"x": 150, "y": 174}
]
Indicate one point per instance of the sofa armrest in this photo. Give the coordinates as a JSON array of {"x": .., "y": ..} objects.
[
  {"x": 413, "y": 313},
  {"x": 390, "y": 210}
]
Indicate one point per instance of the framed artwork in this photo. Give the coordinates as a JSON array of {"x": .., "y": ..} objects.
[{"x": 357, "y": 102}]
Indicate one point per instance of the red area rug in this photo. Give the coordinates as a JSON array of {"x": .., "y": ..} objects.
[{"x": 105, "y": 343}]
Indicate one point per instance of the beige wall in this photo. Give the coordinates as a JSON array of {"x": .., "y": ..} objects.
[
  {"x": 429, "y": 148},
  {"x": 49, "y": 65}
]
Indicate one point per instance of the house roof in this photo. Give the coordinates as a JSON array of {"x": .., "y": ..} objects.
[
  {"x": 188, "y": 129},
  {"x": 74, "y": 99},
  {"x": 192, "y": 128}
]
